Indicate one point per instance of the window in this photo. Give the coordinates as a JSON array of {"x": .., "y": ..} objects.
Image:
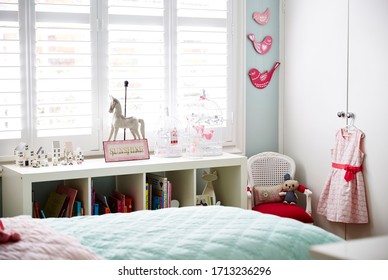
[
  {"x": 11, "y": 105},
  {"x": 61, "y": 59}
]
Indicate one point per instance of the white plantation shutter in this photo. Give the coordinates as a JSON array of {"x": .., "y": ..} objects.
[
  {"x": 203, "y": 53},
  {"x": 168, "y": 67},
  {"x": 65, "y": 104},
  {"x": 137, "y": 54},
  {"x": 11, "y": 104},
  {"x": 61, "y": 59}
]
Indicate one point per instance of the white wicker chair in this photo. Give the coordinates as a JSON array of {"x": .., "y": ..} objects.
[{"x": 268, "y": 169}]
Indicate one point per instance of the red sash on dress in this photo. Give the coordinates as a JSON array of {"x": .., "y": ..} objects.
[{"x": 350, "y": 170}]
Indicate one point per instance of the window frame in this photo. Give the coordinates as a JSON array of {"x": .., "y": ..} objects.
[{"x": 236, "y": 84}]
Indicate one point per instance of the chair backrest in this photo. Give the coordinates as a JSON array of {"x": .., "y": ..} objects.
[{"x": 269, "y": 168}]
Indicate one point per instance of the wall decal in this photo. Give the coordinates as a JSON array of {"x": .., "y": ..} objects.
[
  {"x": 261, "y": 80},
  {"x": 261, "y": 47},
  {"x": 261, "y": 18}
]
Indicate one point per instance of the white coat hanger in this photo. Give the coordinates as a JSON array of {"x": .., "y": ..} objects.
[{"x": 350, "y": 126}]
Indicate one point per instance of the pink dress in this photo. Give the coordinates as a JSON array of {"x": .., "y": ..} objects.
[{"x": 343, "y": 197}]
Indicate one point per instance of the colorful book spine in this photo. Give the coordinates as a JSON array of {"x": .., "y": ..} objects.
[
  {"x": 115, "y": 204},
  {"x": 165, "y": 194},
  {"x": 78, "y": 208},
  {"x": 147, "y": 196},
  {"x": 36, "y": 210},
  {"x": 159, "y": 186},
  {"x": 96, "y": 209},
  {"x": 169, "y": 194}
]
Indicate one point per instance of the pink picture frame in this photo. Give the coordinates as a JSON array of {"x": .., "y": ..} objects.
[{"x": 125, "y": 150}]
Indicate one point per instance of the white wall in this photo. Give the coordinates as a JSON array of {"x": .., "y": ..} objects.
[{"x": 316, "y": 87}]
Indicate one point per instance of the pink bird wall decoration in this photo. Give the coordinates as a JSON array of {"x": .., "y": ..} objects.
[
  {"x": 261, "y": 18},
  {"x": 261, "y": 80},
  {"x": 261, "y": 47}
]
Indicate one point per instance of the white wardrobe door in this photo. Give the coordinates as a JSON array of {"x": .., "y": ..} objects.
[
  {"x": 315, "y": 87},
  {"x": 368, "y": 99}
]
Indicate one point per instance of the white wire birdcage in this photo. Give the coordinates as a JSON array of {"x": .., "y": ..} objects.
[
  {"x": 204, "y": 128},
  {"x": 169, "y": 138}
]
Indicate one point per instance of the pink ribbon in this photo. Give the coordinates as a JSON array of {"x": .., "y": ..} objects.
[{"x": 350, "y": 170}]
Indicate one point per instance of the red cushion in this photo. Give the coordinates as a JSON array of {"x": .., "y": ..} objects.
[{"x": 284, "y": 210}]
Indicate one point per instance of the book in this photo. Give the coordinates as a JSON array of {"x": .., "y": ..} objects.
[
  {"x": 157, "y": 197},
  {"x": 103, "y": 203},
  {"x": 121, "y": 198},
  {"x": 54, "y": 204},
  {"x": 169, "y": 196},
  {"x": 72, "y": 194},
  {"x": 148, "y": 197},
  {"x": 65, "y": 206},
  {"x": 115, "y": 204},
  {"x": 93, "y": 202},
  {"x": 77, "y": 211},
  {"x": 42, "y": 215},
  {"x": 156, "y": 202},
  {"x": 36, "y": 210},
  {"x": 96, "y": 209},
  {"x": 159, "y": 186}
]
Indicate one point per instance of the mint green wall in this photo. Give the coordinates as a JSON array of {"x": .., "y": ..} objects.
[{"x": 262, "y": 104}]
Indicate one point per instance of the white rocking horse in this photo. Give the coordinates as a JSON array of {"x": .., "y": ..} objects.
[{"x": 120, "y": 121}]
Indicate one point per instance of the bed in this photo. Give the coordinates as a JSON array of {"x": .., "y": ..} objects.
[{"x": 186, "y": 233}]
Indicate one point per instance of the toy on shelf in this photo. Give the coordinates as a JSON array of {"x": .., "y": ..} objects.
[
  {"x": 79, "y": 156},
  {"x": 56, "y": 150},
  {"x": 209, "y": 177},
  {"x": 136, "y": 126},
  {"x": 41, "y": 158},
  {"x": 25, "y": 157},
  {"x": 204, "y": 129}
]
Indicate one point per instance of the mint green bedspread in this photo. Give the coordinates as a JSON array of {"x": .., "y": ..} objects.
[{"x": 193, "y": 233}]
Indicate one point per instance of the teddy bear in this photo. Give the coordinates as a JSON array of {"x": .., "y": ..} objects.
[
  {"x": 8, "y": 237},
  {"x": 288, "y": 190}
]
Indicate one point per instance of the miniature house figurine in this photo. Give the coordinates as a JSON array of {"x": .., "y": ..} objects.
[
  {"x": 56, "y": 150},
  {"x": 22, "y": 154},
  {"x": 79, "y": 157},
  {"x": 68, "y": 154},
  {"x": 41, "y": 158}
]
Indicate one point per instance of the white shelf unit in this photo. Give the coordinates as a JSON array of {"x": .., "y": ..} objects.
[{"x": 20, "y": 185}]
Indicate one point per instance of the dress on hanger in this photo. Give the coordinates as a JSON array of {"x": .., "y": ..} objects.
[{"x": 343, "y": 197}]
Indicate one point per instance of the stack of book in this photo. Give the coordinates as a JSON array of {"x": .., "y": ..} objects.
[
  {"x": 116, "y": 202},
  {"x": 158, "y": 192},
  {"x": 59, "y": 204}
]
